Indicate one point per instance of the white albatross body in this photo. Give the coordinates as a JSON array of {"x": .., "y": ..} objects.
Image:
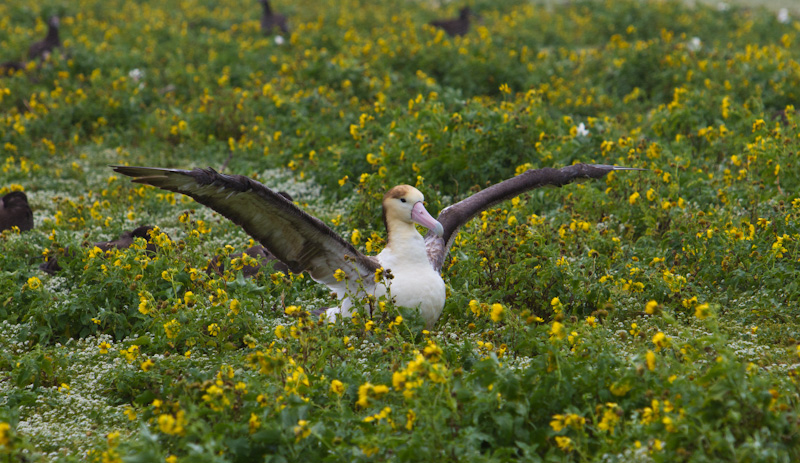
[
  {"x": 415, "y": 283},
  {"x": 304, "y": 243}
]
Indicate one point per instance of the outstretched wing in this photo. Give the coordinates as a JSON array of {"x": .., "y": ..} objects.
[
  {"x": 302, "y": 242},
  {"x": 454, "y": 217}
]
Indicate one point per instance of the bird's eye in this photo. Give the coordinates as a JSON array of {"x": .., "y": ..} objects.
[{"x": 403, "y": 200}]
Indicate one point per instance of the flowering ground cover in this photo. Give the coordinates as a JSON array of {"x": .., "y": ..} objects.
[{"x": 649, "y": 317}]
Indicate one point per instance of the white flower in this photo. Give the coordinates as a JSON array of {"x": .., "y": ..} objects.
[
  {"x": 783, "y": 16},
  {"x": 582, "y": 131},
  {"x": 722, "y": 6},
  {"x": 279, "y": 40},
  {"x": 136, "y": 74},
  {"x": 695, "y": 44}
]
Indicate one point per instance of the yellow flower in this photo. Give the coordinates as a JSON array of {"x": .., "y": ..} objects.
[
  {"x": 702, "y": 311},
  {"x": 291, "y": 310},
  {"x": 558, "y": 423},
  {"x": 254, "y": 423},
  {"x": 144, "y": 306},
  {"x": 130, "y": 353},
  {"x": 632, "y": 199},
  {"x": 339, "y": 274},
  {"x": 367, "y": 391},
  {"x": 475, "y": 307},
  {"x": 651, "y": 307},
  {"x": 218, "y": 297},
  {"x": 564, "y": 443},
  {"x": 5, "y": 430},
  {"x": 337, "y": 387},
  {"x": 610, "y": 418},
  {"x": 34, "y": 283},
  {"x": 302, "y": 430},
  {"x": 557, "y": 331},
  {"x": 235, "y": 306},
  {"x": 172, "y": 425},
  {"x": 619, "y": 389},
  {"x": 147, "y": 365},
  {"x": 104, "y": 346},
  {"x": 433, "y": 352},
  {"x": 280, "y": 331},
  {"x": 213, "y": 329},
  {"x": 354, "y": 132},
  {"x": 382, "y": 415},
  {"x": 410, "y": 418},
  {"x": 378, "y": 273},
  {"x": 571, "y": 420},
  {"x": 668, "y": 424},
  {"x": 497, "y": 312},
  {"x": 651, "y": 360},
  {"x": 171, "y": 328},
  {"x": 661, "y": 341}
]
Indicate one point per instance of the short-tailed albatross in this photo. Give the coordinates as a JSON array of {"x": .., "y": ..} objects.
[{"x": 305, "y": 243}]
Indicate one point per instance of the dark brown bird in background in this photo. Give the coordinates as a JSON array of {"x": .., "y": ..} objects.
[
  {"x": 11, "y": 67},
  {"x": 271, "y": 20},
  {"x": 15, "y": 212},
  {"x": 43, "y": 48},
  {"x": 124, "y": 241},
  {"x": 458, "y": 26},
  {"x": 259, "y": 253}
]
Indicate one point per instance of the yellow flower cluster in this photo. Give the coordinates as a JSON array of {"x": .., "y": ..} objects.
[
  {"x": 496, "y": 311},
  {"x": 368, "y": 392}
]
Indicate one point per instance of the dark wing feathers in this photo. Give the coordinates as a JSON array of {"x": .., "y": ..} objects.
[
  {"x": 454, "y": 217},
  {"x": 302, "y": 242}
]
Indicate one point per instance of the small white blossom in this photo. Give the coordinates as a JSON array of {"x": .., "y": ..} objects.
[
  {"x": 136, "y": 74},
  {"x": 783, "y": 16}
]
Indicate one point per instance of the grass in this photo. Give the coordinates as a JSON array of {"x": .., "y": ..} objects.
[{"x": 647, "y": 317}]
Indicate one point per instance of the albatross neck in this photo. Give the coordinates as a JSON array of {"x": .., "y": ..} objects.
[{"x": 404, "y": 240}]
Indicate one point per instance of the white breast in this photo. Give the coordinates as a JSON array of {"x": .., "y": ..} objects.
[
  {"x": 415, "y": 284},
  {"x": 416, "y": 287}
]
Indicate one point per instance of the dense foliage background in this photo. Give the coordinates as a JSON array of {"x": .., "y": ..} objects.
[{"x": 649, "y": 317}]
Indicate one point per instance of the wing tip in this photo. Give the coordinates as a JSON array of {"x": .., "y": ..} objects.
[
  {"x": 135, "y": 171},
  {"x": 612, "y": 167}
]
